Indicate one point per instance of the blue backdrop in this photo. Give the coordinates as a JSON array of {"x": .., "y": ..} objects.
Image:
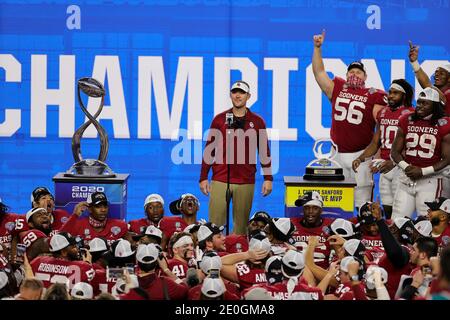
[{"x": 167, "y": 65}]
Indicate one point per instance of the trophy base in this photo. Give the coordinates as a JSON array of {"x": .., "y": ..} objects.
[
  {"x": 90, "y": 169},
  {"x": 324, "y": 174}
]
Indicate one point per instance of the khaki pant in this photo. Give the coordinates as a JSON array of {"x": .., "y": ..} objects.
[{"x": 241, "y": 198}]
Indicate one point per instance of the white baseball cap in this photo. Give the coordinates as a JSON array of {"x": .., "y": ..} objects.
[
  {"x": 240, "y": 85},
  {"x": 345, "y": 262},
  {"x": 97, "y": 244},
  {"x": 445, "y": 67},
  {"x": 259, "y": 242},
  {"x": 424, "y": 227},
  {"x": 154, "y": 197},
  {"x": 82, "y": 290},
  {"x": 210, "y": 261},
  {"x": 429, "y": 94},
  {"x": 370, "y": 278},
  {"x": 342, "y": 227},
  {"x": 60, "y": 241},
  {"x": 122, "y": 249},
  {"x": 153, "y": 231},
  {"x": 294, "y": 260},
  {"x": 147, "y": 253},
  {"x": 354, "y": 246},
  {"x": 213, "y": 287},
  {"x": 33, "y": 211}
]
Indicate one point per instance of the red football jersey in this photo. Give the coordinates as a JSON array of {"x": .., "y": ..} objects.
[
  {"x": 52, "y": 270},
  {"x": 423, "y": 140},
  {"x": 388, "y": 121},
  {"x": 236, "y": 243},
  {"x": 60, "y": 217},
  {"x": 374, "y": 247},
  {"x": 447, "y": 105},
  {"x": 279, "y": 291},
  {"x": 301, "y": 236},
  {"x": 170, "y": 225},
  {"x": 249, "y": 276},
  {"x": 30, "y": 236},
  {"x": 443, "y": 239},
  {"x": 178, "y": 267},
  {"x": 114, "y": 229},
  {"x": 10, "y": 224},
  {"x": 344, "y": 291},
  {"x": 352, "y": 111},
  {"x": 100, "y": 283},
  {"x": 140, "y": 225}
]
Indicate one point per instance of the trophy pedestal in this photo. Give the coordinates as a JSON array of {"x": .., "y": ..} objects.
[
  {"x": 71, "y": 190},
  {"x": 338, "y": 196}
]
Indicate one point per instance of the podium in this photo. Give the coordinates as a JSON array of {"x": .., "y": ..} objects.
[
  {"x": 338, "y": 196},
  {"x": 71, "y": 190}
]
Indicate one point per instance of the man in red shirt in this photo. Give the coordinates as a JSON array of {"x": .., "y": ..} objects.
[
  {"x": 154, "y": 211},
  {"x": 97, "y": 224},
  {"x": 183, "y": 251},
  {"x": 441, "y": 76},
  {"x": 8, "y": 224},
  {"x": 370, "y": 234},
  {"x": 439, "y": 216},
  {"x": 41, "y": 197},
  {"x": 399, "y": 103},
  {"x": 354, "y": 110},
  {"x": 245, "y": 133},
  {"x": 421, "y": 150},
  {"x": 64, "y": 266}
]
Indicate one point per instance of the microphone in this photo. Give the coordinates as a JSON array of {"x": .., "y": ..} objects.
[{"x": 229, "y": 116}]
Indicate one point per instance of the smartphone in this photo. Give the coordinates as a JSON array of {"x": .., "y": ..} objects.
[
  {"x": 114, "y": 273},
  {"x": 426, "y": 270},
  {"x": 130, "y": 268},
  {"x": 21, "y": 249},
  {"x": 214, "y": 273}
]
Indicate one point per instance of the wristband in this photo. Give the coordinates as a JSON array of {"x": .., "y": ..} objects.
[
  {"x": 415, "y": 65},
  {"x": 403, "y": 165},
  {"x": 427, "y": 170}
]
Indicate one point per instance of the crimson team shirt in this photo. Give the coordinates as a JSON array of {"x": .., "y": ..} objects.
[
  {"x": 52, "y": 270},
  {"x": 114, "y": 229},
  {"x": 423, "y": 140},
  {"x": 447, "y": 105},
  {"x": 178, "y": 267},
  {"x": 235, "y": 243},
  {"x": 154, "y": 285},
  {"x": 353, "y": 112},
  {"x": 345, "y": 291},
  {"x": 196, "y": 292},
  {"x": 388, "y": 121},
  {"x": 140, "y": 225},
  {"x": 170, "y": 225},
  {"x": 279, "y": 291},
  {"x": 249, "y": 276},
  {"x": 374, "y": 247},
  {"x": 301, "y": 236},
  {"x": 443, "y": 239},
  {"x": 100, "y": 283},
  {"x": 394, "y": 274},
  {"x": 240, "y": 173},
  {"x": 10, "y": 223},
  {"x": 60, "y": 217}
]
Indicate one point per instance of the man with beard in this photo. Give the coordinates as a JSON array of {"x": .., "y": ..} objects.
[
  {"x": 441, "y": 76},
  {"x": 97, "y": 224},
  {"x": 39, "y": 229},
  {"x": 354, "y": 110},
  {"x": 154, "y": 210},
  {"x": 312, "y": 224},
  {"x": 64, "y": 265},
  {"x": 399, "y": 103},
  {"x": 183, "y": 251},
  {"x": 41, "y": 197},
  {"x": 187, "y": 206},
  {"x": 9, "y": 223},
  {"x": 439, "y": 216},
  {"x": 421, "y": 150}
]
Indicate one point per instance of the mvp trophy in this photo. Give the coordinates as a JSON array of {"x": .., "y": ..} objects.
[
  {"x": 87, "y": 176},
  {"x": 324, "y": 167}
]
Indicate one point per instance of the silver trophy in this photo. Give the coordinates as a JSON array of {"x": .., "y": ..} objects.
[
  {"x": 324, "y": 167},
  {"x": 90, "y": 168}
]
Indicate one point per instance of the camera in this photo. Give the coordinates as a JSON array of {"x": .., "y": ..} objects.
[{"x": 114, "y": 273}]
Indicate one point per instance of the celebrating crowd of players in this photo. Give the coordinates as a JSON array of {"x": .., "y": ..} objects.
[{"x": 382, "y": 253}]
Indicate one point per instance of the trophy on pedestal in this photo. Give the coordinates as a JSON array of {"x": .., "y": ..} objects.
[
  {"x": 90, "y": 168},
  {"x": 324, "y": 167}
]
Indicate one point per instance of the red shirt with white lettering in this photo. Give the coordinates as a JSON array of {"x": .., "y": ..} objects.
[
  {"x": 9, "y": 223},
  {"x": 352, "y": 111},
  {"x": 51, "y": 270},
  {"x": 279, "y": 291},
  {"x": 301, "y": 236},
  {"x": 423, "y": 139},
  {"x": 388, "y": 120},
  {"x": 374, "y": 247},
  {"x": 178, "y": 267},
  {"x": 249, "y": 276}
]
